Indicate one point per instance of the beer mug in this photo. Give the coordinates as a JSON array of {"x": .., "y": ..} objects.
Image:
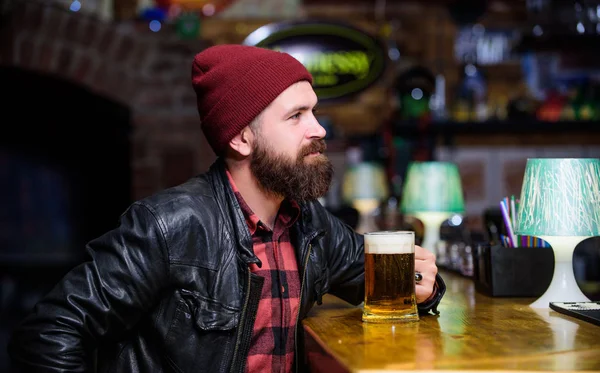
[{"x": 390, "y": 277}]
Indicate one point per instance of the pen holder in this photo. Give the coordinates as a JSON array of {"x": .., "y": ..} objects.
[{"x": 512, "y": 272}]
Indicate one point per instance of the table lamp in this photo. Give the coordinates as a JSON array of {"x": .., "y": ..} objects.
[
  {"x": 560, "y": 203},
  {"x": 365, "y": 186},
  {"x": 432, "y": 193}
]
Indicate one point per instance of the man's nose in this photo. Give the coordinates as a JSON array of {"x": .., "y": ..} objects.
[{"x": 317, "y": 130}]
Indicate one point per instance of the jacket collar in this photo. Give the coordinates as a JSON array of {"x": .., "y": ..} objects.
[
  {"x": 233, "y": 220},
  {"x": 233, "y": 217}
]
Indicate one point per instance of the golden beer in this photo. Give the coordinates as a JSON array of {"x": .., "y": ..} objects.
[{"x": 390, "y": 277}]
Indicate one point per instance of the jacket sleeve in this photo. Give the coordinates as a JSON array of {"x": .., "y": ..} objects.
[
  {"x": 439, "y": 289},
  {"x": 346, "y": 261},
  {"x": 97, "y": 300}
]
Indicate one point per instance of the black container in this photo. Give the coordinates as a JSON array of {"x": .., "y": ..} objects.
[{"x": 512, "y": 272}]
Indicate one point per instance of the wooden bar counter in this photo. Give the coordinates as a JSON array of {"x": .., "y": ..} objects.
[{"x": 473, "y": 332}]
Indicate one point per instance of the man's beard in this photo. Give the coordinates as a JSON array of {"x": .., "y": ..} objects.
[{"x": 297, "y": 179}]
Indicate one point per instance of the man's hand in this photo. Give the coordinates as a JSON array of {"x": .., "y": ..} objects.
[{"x": 425, "y": 264}]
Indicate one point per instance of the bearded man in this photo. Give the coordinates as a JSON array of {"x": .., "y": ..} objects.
[{"x": 216, "y": 274}]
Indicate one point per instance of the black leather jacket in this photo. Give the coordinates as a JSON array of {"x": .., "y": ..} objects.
[{"x": 169, "y": 290}]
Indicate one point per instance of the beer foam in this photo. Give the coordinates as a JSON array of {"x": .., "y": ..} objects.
[{"x": 390, "y": 243}]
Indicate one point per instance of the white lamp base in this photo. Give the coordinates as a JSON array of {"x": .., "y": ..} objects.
[
  {"x": 432, "y": 222},
  {"x": 564, "y": 287},
  {"x": 366, "y": 222}
]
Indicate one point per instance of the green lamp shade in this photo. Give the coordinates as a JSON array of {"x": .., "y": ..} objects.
[
  {"x": 560, "y": 197},
  {"x": 366, "y": 180},
  {"x": 432, "y": 187}
]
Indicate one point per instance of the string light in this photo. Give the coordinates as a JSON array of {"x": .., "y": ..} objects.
[
  {"x": 155, "y": 25},
  {"x": 75, "y": 6},
  {"x": 208, "y": 9}
]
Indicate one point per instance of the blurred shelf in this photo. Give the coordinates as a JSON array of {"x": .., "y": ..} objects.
[
  {"x": 409, "y": 128},
  {"x": 560, "y": 43}
]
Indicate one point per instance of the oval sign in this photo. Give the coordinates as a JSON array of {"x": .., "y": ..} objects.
[{"x": 342, "y": 59}]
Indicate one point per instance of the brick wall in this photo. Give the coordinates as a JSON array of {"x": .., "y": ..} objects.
[{"x": 126, "y": 62}]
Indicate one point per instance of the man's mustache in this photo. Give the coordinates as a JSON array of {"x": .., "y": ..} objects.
[{"x": 316, "y": 146}]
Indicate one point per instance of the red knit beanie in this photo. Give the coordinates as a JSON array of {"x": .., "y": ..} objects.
[{"x": 235, "y": 83}]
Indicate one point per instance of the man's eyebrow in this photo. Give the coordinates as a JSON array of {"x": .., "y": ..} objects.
[{"x": 301, "y": 108}]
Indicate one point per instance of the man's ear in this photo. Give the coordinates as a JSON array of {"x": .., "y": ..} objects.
[{"x": 242, "y": 142}]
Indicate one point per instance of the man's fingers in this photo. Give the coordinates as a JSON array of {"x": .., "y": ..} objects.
[
  {"x": 425, "y": 264},
  {"x": 426, "y": 267},
  {"x": 423, "y": 290},
  {"x": 423, "y": 254}
]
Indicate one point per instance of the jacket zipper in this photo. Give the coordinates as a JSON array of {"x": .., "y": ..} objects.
[
  {"x": 300, "y": 307},
  {"x": 241, "y": 324}
]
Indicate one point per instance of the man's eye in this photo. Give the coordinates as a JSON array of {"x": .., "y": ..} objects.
[
  {"x": 295, "y": 116},
  {"x": 315, "y": 110}
]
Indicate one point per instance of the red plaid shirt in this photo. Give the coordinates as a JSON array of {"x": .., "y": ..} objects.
[{"x": 272, "y": 347}]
